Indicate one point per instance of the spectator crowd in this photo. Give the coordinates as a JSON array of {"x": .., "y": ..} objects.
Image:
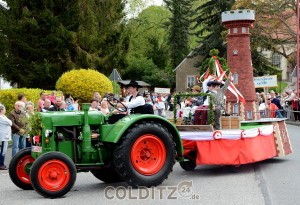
[{"x": 14, "y": 125}]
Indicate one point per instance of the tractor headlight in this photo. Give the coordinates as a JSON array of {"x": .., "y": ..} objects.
[{"x": 48, "y": 133}]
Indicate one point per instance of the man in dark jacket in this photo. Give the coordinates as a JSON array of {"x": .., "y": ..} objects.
[
  {"x": 276, "y": 101},
  {"x": 17, "y": 116}
]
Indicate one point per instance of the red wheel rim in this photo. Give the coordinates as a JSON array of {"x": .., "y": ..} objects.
[
  {"x": 148, "y": 154},
  {"x": 54, "y": 175},
  {"x": 23, "y": 168}
]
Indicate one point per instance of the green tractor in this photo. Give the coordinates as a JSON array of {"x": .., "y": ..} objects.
[{"x": 138, "y": 149}]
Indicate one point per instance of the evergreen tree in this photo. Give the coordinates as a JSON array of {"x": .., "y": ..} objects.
[
  {"x": 212, "y": 33},
  {"x": 178, "y": 29},
  {"x": 44, "y": 39},
  {"x": 209, "y": 24}
]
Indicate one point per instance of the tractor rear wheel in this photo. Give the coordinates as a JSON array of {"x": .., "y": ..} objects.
[
  {"x": 19, "y": 169},
  {"x": 53, "y": 174},
  {"x": 107, "y": 175},
  {"x": 145, "y": 156}
]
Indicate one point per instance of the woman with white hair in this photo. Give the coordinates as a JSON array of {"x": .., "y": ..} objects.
[{"x": 5, "y": 135}]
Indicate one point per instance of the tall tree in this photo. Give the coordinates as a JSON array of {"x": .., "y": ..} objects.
[
  {"x": 212, "y": 34},
  {"x": 210, "y": 31},
  {"x": 275, "y": 26},
  {"x": 47, "y": 38},
  {"x": 148, "y": 55},
  {"x": 179, "y": 25}
]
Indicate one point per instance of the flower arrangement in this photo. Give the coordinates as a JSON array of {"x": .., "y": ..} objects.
[{"x": 35, "y": 125}]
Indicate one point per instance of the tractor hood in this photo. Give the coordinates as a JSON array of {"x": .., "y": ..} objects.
[{"x": 71, "y": 118}]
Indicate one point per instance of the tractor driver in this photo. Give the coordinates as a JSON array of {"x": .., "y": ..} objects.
[{"x": 136, "y": 101}]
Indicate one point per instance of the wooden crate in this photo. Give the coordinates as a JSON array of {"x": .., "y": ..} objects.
[
  {"x": 178, "y": 122},
  {"x": 230, "y": 122}
]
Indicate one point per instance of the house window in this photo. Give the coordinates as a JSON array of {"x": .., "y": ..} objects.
[
  {"x": 191, "y": 80},
  {"x": 276, "y": 60},
  {"x": 235, "y": 30},
  {"x": 244, "y": 29}
]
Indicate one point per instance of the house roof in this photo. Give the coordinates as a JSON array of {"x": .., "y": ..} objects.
[
  {"x": 188, "y": 56},
  {"x": 141, "y": 83}
]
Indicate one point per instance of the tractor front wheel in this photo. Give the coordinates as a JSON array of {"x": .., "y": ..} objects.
[
  {"x": 19, "y": 169},
  {"x": 145, "y": 155},
  {"x": 53, "y": 174}
]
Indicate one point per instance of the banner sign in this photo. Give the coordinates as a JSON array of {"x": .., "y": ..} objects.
[
  {"x": 265, "y": 81},
  {"x": 162, "y": 90}
]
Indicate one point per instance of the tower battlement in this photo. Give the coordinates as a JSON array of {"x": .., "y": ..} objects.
[{"x": 238, "y": 15}]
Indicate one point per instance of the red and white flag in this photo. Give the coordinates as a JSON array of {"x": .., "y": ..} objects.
[{"x": 220, "y": 75}]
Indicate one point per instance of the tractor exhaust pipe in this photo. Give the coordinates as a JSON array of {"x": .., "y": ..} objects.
[{"x": 86, "y": 134}]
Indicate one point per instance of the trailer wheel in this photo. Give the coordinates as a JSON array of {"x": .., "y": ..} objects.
[
  {"x": 53, "y": 174},
  {"x": 146, "y": 155},
  {"x": 19, "y": 169},
  {"x": 235, "y": 168},
  {"x": 107, "y": 175},
  {"x": 191, "y": 164}
]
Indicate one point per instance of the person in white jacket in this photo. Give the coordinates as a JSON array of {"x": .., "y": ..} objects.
[
  {"x": 136, "y": 101},
  {"x": 5, "y": 135}
]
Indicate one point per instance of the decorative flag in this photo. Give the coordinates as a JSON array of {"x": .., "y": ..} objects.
[{"x": 220, "y": 75}]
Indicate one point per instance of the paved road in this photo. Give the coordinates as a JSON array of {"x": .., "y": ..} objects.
[{"x": 272, "y": 182}]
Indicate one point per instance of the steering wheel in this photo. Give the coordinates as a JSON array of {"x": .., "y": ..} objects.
[{"x": 121, "y": 109}]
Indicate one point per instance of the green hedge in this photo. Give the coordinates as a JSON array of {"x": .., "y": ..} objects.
[{"x": 8, "y": 97}]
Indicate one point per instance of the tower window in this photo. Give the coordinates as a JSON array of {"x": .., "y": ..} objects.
[{"x": 235, "y": 30}]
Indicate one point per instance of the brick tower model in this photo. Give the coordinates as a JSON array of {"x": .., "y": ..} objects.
[{"x": 239, "y": 60}]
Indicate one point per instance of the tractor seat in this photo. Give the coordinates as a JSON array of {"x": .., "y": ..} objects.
[{"x": 114, "y": 118}]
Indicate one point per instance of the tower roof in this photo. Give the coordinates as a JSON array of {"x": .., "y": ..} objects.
[{"x": 238, "y": 15}]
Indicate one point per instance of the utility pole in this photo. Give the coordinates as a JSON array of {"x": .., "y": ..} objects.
[{"x": 298, "y": 51}]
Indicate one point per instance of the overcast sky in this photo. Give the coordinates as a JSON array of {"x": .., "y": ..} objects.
[
  {"x": 2, "y": 3},
  {"x": 157, "y": 2}
]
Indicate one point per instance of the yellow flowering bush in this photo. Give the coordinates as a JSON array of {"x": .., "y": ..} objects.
[
  {"x": 8, "y": 97},
  {"x": 83, "y": 83}
]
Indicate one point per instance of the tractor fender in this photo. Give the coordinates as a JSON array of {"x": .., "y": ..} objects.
[{"x": 115, "y": 133}]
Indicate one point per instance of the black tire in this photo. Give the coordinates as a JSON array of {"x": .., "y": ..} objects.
[
  {"x": 144, "y": 134},
  {"x": 107, "y": 175},
  {"x": 62, "y": 170},
  {"x": 188, "y": 165},
  {"x": 191, "y": 164},
  {"x": 19, "y": 169},
  {"x": 235, "y": 168}
]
